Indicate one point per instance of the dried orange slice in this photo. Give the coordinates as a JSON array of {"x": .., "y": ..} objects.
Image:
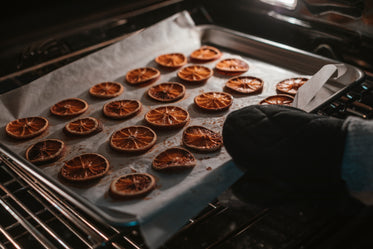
[
  {"x": 245, "y": 84},
  {"x": 205, "y": 54},
  {"x": 174, "y": 159},
  {"x": 83, "y": 127},
  {"x": 214, "y": 101},
  {"x": 290, "y": 86},
  {"x": 195, "y": 74},
  {"x": 24, "y": 128},
  {"x": 45, "y": 151},
  {"x": 202, "y": 139},
  {"x": 167, "y": 92},
  {"x": 232, "y": 66},
  {"x": 136, "y": 139},
  {"x": 85, "y": 167},
  {"x": 120, "y": 109},
  {"x": 142, "y": 75},
  {"x": 172, "y": 60},
  {"x": 69, "y": 107},
  {"x": 167, "y": 117},
  {"x": 279, "y": 99},
  {"x": 131, "y": 186},
  {"x": 106, "y": 90}
]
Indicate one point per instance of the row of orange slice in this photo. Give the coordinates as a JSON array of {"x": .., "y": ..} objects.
[
  {"x": 177, "y": 60},
  {"x": 139, "y": 138},
  {"x": 164, "y": 116},
  {"x": 171, "y": 91},
  {"x": 173, "y": 116}
]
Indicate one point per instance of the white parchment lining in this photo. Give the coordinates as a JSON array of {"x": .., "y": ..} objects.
[{"x": 178, "y": 197}]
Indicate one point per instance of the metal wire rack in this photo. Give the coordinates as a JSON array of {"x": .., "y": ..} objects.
[{"x": 33, "y": 216}]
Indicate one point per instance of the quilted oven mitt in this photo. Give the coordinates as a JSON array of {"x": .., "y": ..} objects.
[{"x": 288, "y": 155}]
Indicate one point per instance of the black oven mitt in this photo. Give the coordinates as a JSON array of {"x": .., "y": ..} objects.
[{"x": 288, "y": 155}]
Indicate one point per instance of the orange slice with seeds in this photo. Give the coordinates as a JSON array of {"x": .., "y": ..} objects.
[
  {"x": 174, "y": 159},
  {"x": 106, "y": 90},
  {"x": 85, "y": 167},
  {"x": 201, "y": 139},
  {"x": 25, "y": 128},
  {"x": 142, "y": 75},
  {"x": 121, "y": 109},
  {"x": 245, "y": 84},
  {"x": 195, "y": 74},
  {"x": 136, "y": 139},
  {"x": 69, "y": 107},
  {"x": 172, "y": 60},
  {"x": 45, "y": 151},
  {"x": 205, "y": 54},
  {"x": 214, "y": 101},
  {"x": 167, "y": 117},
  {"x": 290, "y": 86},
  {"x": 83, "y": 127},
  {"x": 167, "y": 92},
  {"x": 131, "y": 186},
  {"x": 279, "y": 99},
  {"x": 232, "y": 66}
]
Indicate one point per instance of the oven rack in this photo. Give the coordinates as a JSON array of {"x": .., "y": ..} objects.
[{"x": 34, "y": 216}]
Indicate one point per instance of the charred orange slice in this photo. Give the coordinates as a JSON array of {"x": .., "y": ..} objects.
[
  {"x": 290, "y": 86},
  {"x": 142, "y": 75},
  {"x": 133, "y": 139},
  {"x": 171, "y": 61},
  {"x": 214, "y": 101},
  {"x": 121, "y": 109},
  {"x": 245, "y": 84},
  {"x": 69, "y": 107},
  {"x": 231, "y": 66},
  {"x": 83, "y": 127},
  {"x": 195, "y": 74},
  {"x": 106, "y": 90},
  {"x": 131, "y": 186},
  {"x": 201, "y": 139},
  {"x": 174, "y": 159},
  {"x": 85, "y": 167},
  {"x": 167, "y": 92},
  {"x": 25, "y": 128},
  {"x": 205, "y": 54},
  {"x": 45, "y": 151},
  {"x": 167, "y": 117},
  {"x": 279, "y": 99}
]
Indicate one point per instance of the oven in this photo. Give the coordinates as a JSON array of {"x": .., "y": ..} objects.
[{"x": 40, "y": 39}]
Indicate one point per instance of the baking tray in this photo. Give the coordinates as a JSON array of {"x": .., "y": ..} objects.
[{"x": 272, "y": 60}]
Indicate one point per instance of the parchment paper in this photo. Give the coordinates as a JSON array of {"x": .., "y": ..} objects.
[{"x": 177, "y": 197}]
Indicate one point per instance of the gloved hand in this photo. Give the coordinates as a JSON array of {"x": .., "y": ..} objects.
[{"x": 288, "y": 155}]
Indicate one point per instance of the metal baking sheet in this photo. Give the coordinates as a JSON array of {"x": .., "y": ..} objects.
[{"x": 177, "y": 196}]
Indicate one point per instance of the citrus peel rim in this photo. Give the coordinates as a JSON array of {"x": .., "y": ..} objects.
[
  {"x": 27, "y": 128},
  {"x": 69, "y": 107},
  {"x": 39, "y": 153},
  {"x": 142, "y": 75},
  {"x": 83, "y": 127},
  {"x": 84, "y": 164},
  {"x": 131, "y": 186},
  {"x": 167, "y": 91},
  {"x": 214, "y": 101},
  {"x": 167, "y": 117},
  {"x": 106, "y": 90},
  {"x": 201, "y": 139},
  {"x": 174, "y": 159},
  {"x": 134, "y": 139}
]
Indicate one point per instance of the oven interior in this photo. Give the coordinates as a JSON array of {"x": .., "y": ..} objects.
[{"x": 42, "y": 36}]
